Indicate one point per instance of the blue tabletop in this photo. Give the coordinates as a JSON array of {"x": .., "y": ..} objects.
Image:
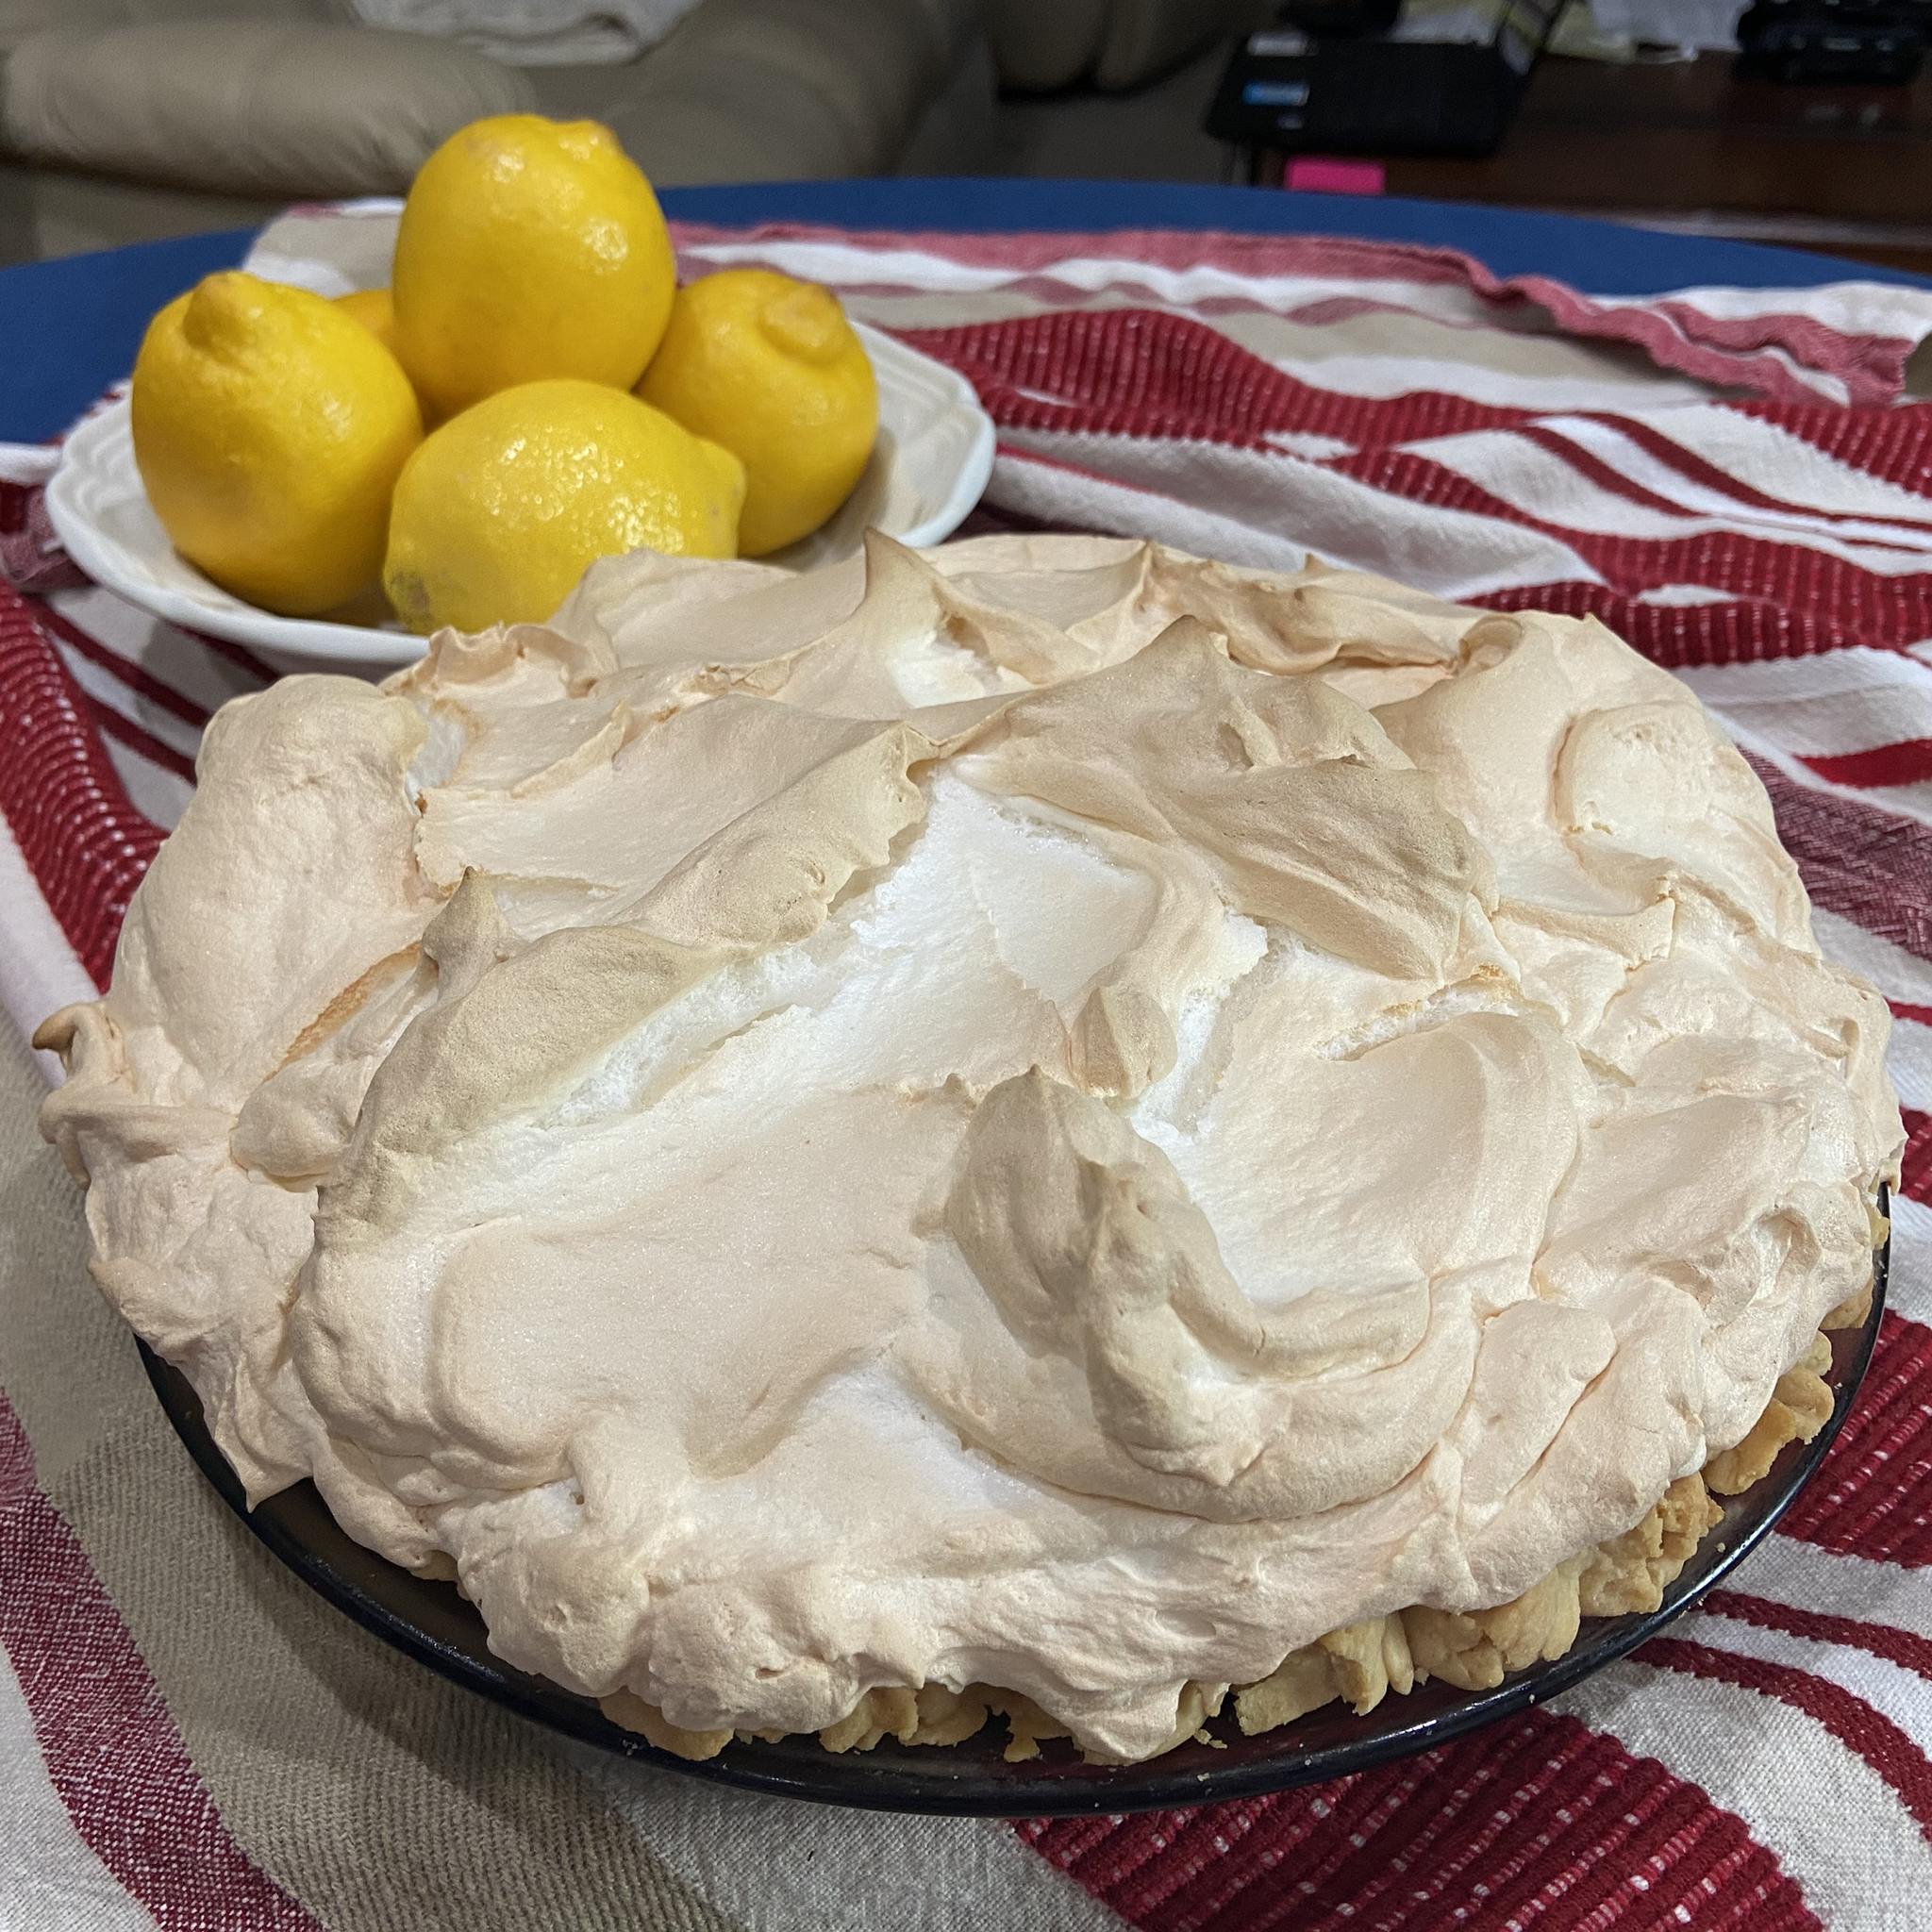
[{"x": 71, "y": 327}]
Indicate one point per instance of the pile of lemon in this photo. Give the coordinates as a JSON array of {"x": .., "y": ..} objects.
[{"x": 582, "y": 404}]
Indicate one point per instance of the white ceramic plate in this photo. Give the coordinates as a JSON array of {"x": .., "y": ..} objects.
[{"x": 928, "y": 470}]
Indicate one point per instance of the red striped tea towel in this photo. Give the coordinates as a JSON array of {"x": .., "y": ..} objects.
[{"x": 1723, "y": 476}]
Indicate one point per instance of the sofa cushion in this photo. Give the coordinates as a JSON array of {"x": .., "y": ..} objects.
[
  {"x": 1145, "y": 35},
  {"x": 1039, "y": 47},
  {"x": 21, "y": 20},
  {"x": 786, "y": 90},
  {"x": 956, "y": 27},
  {"x": 1118, "y": 43},
  {"x": 247, "y": 106}
]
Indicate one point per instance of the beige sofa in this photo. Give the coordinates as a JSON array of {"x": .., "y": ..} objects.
[
  {"x": 130, "y": 120},
  {"x": 1046, "y": 44}
]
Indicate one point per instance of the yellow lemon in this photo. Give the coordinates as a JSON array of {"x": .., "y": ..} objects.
[
  {"x": 771, "y": 369},
  {"x": 528, "y": 249},
  {"x": 269, "y": 428},
  {"x": 376, "y": 310},
  {"x": 499, "y": 513}
]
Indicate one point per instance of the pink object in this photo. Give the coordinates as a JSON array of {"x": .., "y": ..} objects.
[{"x": 1323, "y": 174}]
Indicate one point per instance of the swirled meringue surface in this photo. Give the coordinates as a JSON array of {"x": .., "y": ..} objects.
[{"x": 1048, "y": 1114}]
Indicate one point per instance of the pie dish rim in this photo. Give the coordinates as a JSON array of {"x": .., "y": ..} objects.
[{"x": 971, "y": 1778}]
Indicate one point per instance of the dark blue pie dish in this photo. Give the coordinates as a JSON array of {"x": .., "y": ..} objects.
[{"x": 431, "y": 1623}]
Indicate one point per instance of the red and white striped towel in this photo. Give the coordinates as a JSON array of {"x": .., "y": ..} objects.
[{"x": 1725, "y": 477}]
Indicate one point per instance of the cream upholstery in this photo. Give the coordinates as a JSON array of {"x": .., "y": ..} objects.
[
  {"x": 1145, "y": 35},
  {"x": 129, "y": 120},
  {"x": 261, "y": 108},
  {"x": 1045, "y": 43},
  {"x": 21, "y": 19},
  {"x": 754, "y": 90},
  {"x": 1042, "y": 45}
]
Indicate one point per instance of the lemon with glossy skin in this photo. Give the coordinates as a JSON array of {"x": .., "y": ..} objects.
[
  {"x": 270, "y": 429},
  {"x": 771, "y": 369},
  {"x": 528, "y": 249},
  {"x": 376, "y": 310},
  {"x": 500, "y": 511}
]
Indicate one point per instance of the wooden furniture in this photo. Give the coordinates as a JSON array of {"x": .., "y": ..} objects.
[{"x": 1684, "y": 147}]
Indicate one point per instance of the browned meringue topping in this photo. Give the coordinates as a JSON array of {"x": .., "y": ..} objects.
[{"x": 1045, "y": 1114}]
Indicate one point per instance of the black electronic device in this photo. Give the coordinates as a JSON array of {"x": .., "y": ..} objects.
[
  {"x": 1289, "y": 90},
  {"x": 1836, "y": 43},
  {"x": 1338, "y": 20}
]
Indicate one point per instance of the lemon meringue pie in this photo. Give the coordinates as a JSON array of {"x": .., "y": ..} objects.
[{"x": 1043, "y": 1126}]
